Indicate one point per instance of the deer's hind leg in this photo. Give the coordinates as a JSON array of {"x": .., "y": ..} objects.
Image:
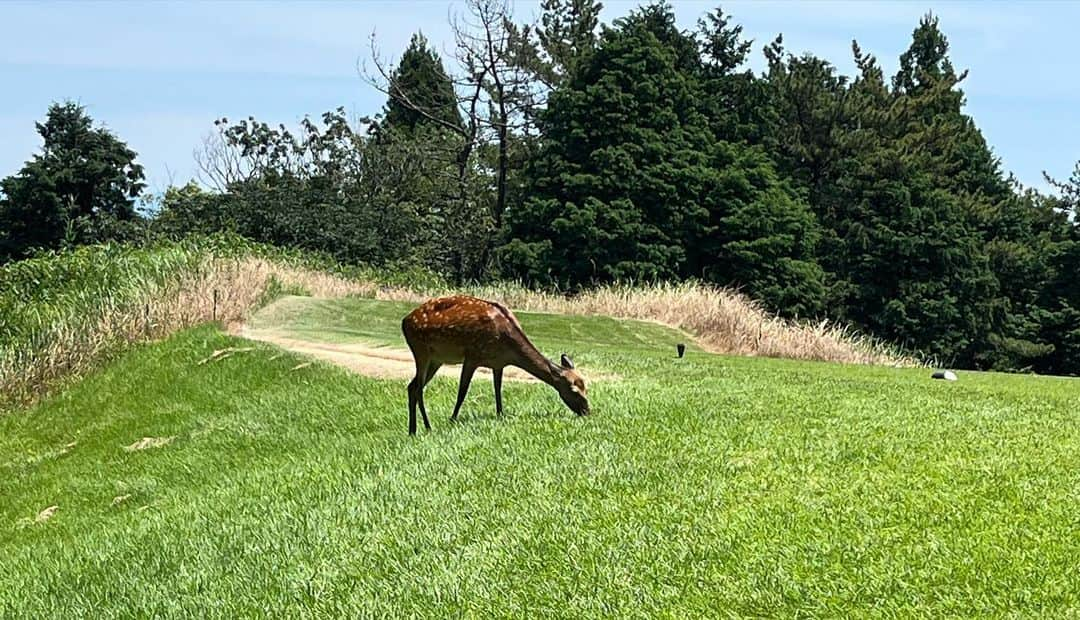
[
  {"x": 416, "y": 394},
  {"x": 431, "y": 370},
  {"x": 467, "y": 370},
  {"x": 496, "y": 378},
  {"x": 414, "y": 388}
]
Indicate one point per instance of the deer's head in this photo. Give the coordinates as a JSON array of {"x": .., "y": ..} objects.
[{"x": 571, "y": 386}]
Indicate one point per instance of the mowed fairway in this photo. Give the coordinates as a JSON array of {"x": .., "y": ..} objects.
[{"x": 707, "y": 486}]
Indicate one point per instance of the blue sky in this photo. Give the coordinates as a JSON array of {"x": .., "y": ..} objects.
[{"x": 159, "y": 73}]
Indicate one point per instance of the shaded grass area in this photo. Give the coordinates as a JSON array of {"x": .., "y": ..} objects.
[{"x": 708, "y": 486}]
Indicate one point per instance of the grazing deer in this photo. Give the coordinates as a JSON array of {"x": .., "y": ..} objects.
[{"x": 473, "y": 332}]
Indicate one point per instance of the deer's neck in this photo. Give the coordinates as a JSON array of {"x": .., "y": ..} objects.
[{"x": 533, "y": 361}]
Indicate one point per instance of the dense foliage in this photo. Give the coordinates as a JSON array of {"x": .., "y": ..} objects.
[
  {"x": 81, "y": 188},
  {"x": 645, "y": 189},
  {"x": 569, "y": 153}
]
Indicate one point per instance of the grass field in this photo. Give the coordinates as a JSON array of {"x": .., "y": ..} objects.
[{"x": 703, "y": 487}]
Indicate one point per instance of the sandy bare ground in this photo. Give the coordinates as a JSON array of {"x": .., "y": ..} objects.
[{"x": 378, "y": 362}]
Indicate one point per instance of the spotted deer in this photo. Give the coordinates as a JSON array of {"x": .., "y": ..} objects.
[{"x": 477, "y": 333}]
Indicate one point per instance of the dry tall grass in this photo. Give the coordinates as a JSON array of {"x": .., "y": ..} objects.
[
  {"x": 82, "y": 314},
  {"x": 721, "y": 320},
  {"x": 222, "y": 289}
]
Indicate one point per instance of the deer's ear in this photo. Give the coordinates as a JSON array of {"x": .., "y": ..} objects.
[{"x": 567, "y": 362}]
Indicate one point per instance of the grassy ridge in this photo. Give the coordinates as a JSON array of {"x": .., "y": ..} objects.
[
  {"x": 704, "y": 486},
  {"x": 63, "y": 313}
]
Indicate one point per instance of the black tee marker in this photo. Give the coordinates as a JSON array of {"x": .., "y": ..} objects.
[{"x": 681, "y": 348}]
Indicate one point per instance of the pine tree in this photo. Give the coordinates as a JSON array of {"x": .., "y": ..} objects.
[
  {"x": 917, "y": 261},
  {"x": 808, "y": 99},
  {"x": 1017, "y": 230},
  {"x": 632, "y": 183},
  {"x": 623, "y": 168},
  {"x": 80, "y": 188},
  {"x": 930, "y": 112},
  {"x": 567, "y": 32},
  {"x": 903, "y": 255},
  {"x": 1059, "y": 306},
  {"x": 740, "y": 105},
  {"x": 421, "y": 80}
]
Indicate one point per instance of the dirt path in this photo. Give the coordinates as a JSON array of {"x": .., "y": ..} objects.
[{"x": 378, "y": 362}]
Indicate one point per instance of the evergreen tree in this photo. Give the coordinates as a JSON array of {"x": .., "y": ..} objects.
[
  {"x": 623, "y": 169},
  {"x": 631, "y": 182},
  {"x": 932, "y": 278},
  {"x": 930, "y": 112},
  {"x": 1018, "y": 231},
  {"x": 544, "y": 56},
  {"x": 739, "y": 104},
  {"x": 81, "y": 187},
  {"x": 808, "y": 99},
  {"x": 421, "y": 80},
  {"x": 761, "y": 237},
  {"x": 1059, "y": 306},
  {"x": 918, "y": 274},
  {"x": 567, "y": 32},
  {"x": 903, "y": 253},
  {"x": 1024, "y": 233}
]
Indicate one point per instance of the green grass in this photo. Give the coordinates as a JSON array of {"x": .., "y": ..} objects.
[
  {"x": 701, "y": 487},
  {"x": 589, "y": 340},
  {"x": 65, "y": 312}
]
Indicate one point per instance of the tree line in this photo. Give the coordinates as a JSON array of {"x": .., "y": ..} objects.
[{"x": 568, "y": 153}]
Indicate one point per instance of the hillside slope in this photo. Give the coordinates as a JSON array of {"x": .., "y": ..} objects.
[{"x": 743, "y": 486}]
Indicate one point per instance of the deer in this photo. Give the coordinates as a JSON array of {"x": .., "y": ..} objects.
[{"x": 477, "y": 333}]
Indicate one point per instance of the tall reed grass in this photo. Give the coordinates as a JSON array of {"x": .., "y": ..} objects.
[
  {"x": 721, "y": 320},
  {"x": 63, "y": 313}
]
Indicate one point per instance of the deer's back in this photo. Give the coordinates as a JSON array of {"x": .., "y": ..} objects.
[{"x": 449, "y": 329}]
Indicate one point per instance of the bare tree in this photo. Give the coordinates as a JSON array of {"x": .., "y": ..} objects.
[
  {"x": 489, "y": 81},
  {"x": 379, "y": 74},
  {"x": 220, "y": 163}
]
